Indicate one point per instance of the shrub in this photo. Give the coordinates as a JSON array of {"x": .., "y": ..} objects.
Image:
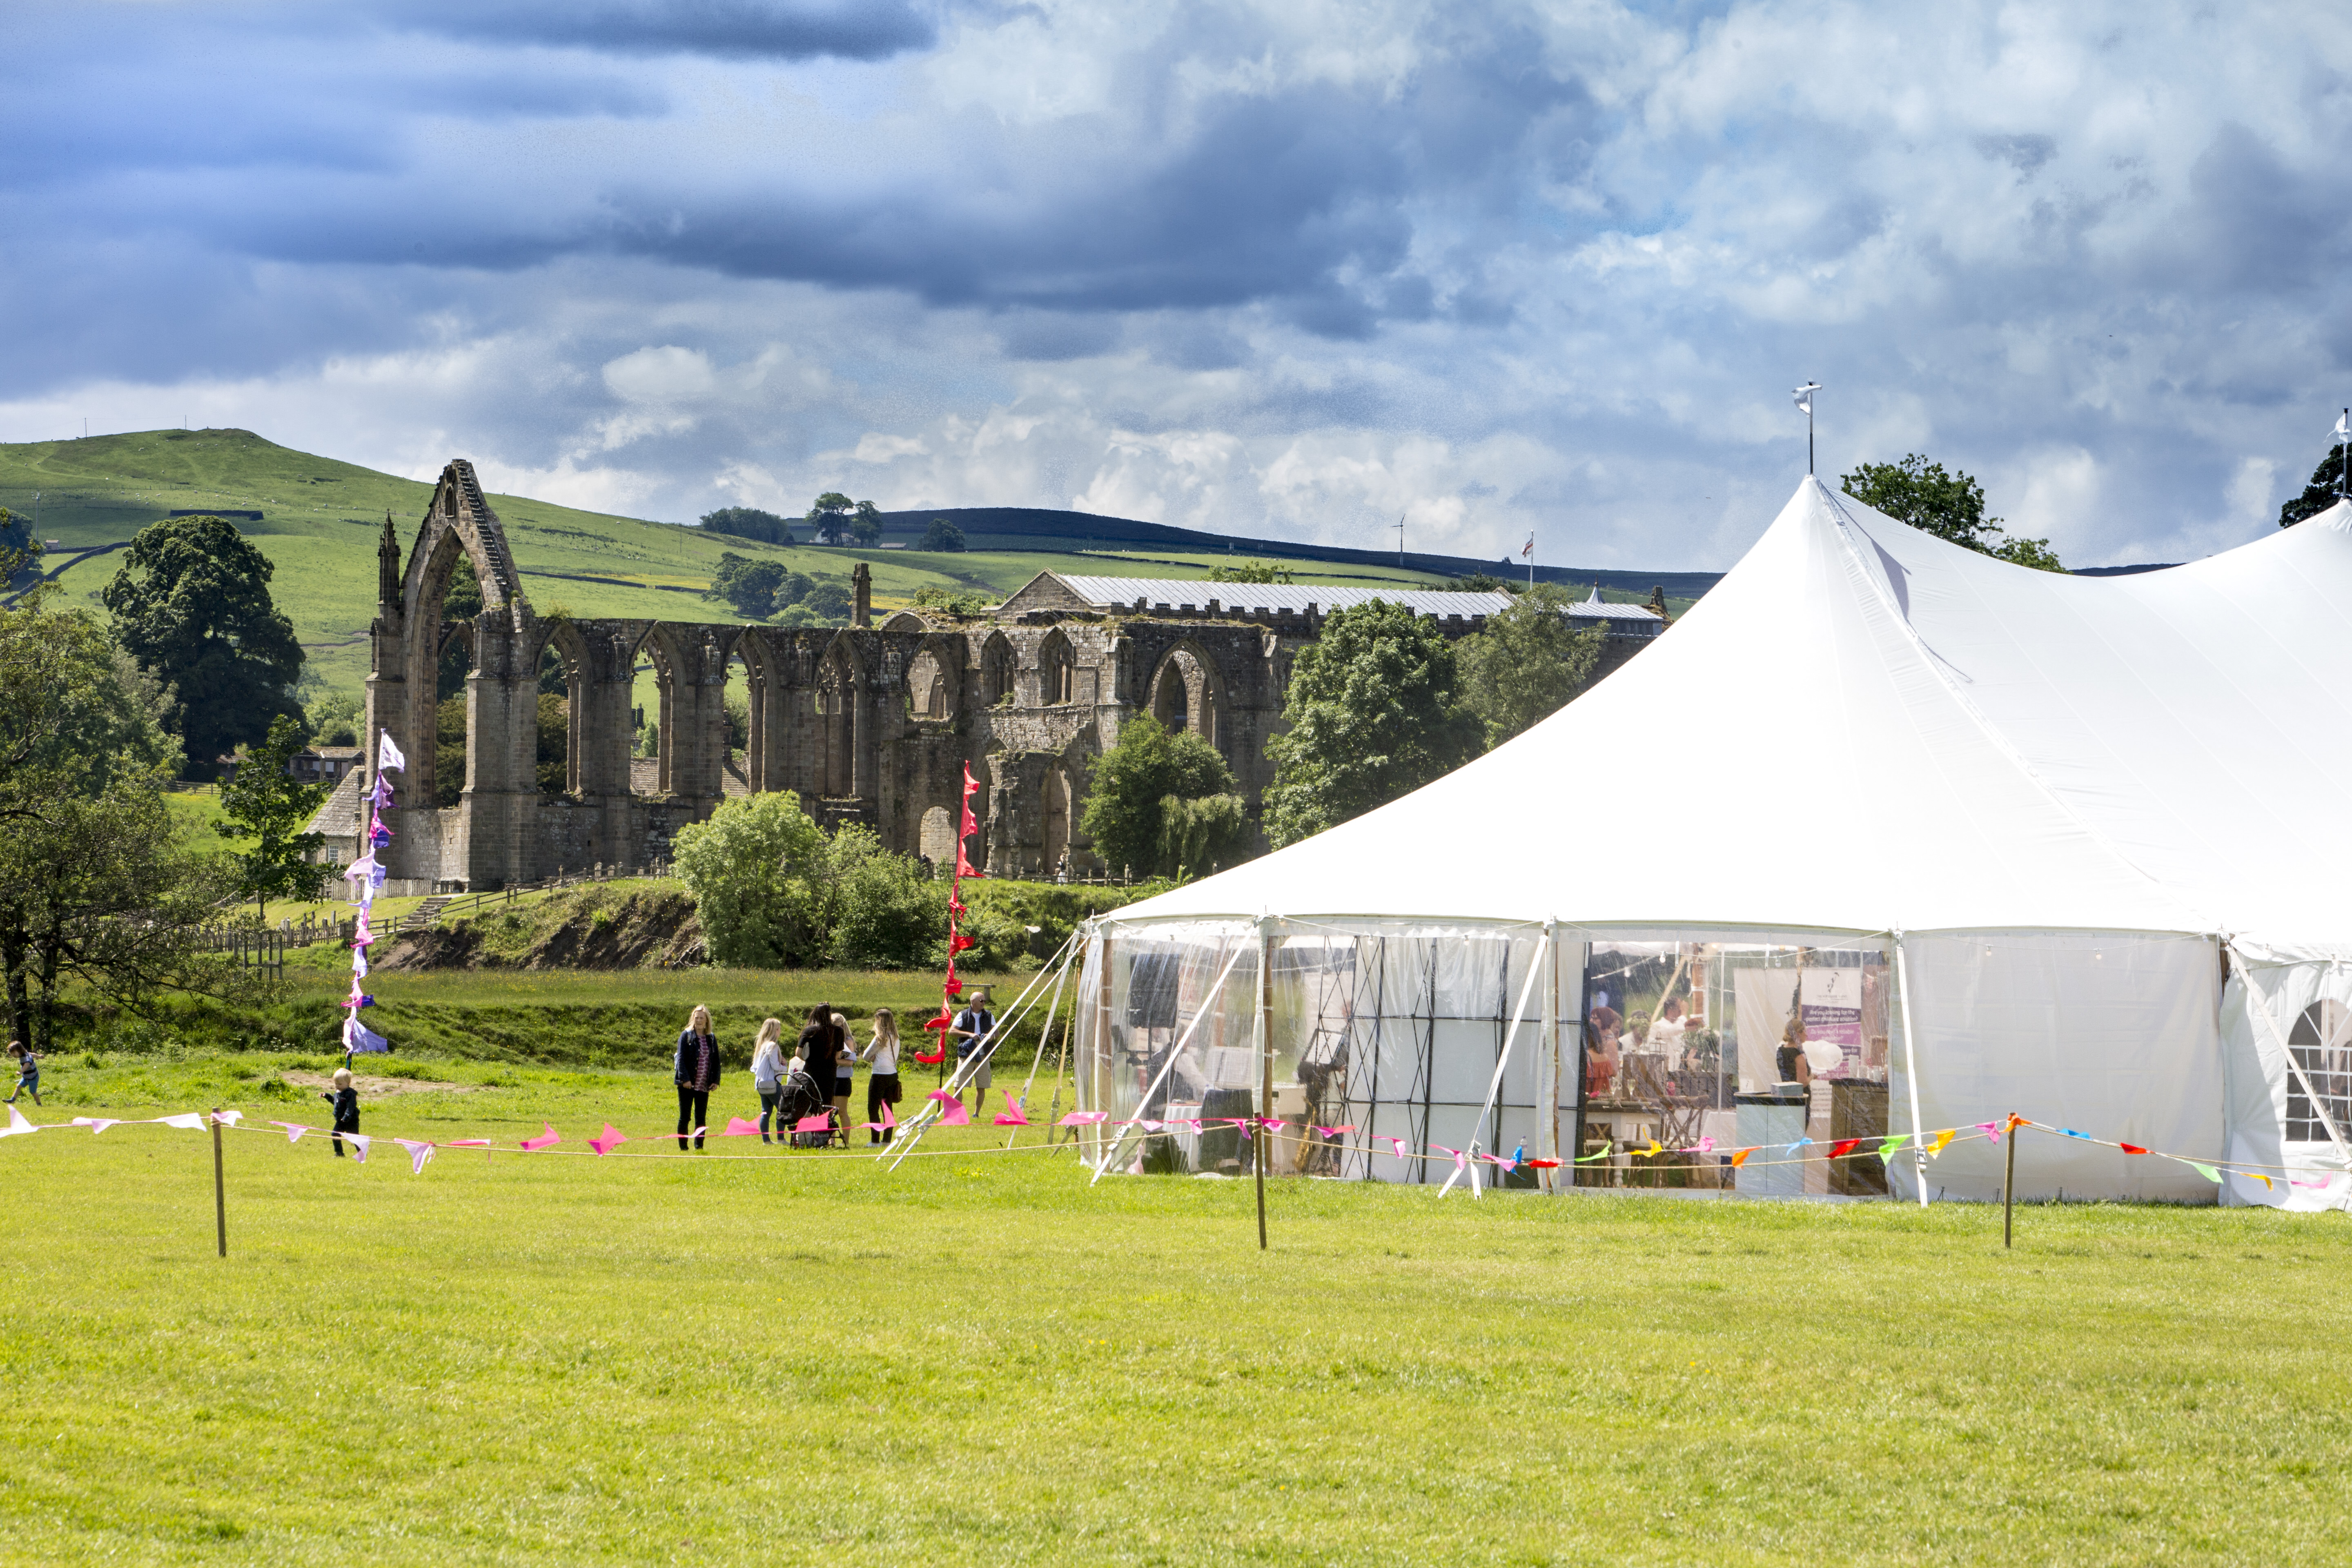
[
  {"x": 885, "y": 912},
  {"x": 755, "y": 869}
]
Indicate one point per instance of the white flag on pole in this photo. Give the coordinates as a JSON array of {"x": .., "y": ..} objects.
[
  {"x": 387, "y": 756},
  {"x": 2344, "y": 425},
  {"x": 1805, "y": 395}
]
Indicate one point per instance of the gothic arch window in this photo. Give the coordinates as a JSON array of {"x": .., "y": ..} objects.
[
  {"x": 1186, "y": 695},
  {"x": 1057, "y": 671},
  {"x": 836, "y": 705},
  {"x": 995, "y": 670},
  {"x": 930, "y": 693}
]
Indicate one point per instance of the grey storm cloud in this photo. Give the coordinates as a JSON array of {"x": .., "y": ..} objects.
[{"x": 1274, "y": 267}]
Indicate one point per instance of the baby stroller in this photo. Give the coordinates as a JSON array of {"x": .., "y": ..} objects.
[{"x": 802, "y": 1098}]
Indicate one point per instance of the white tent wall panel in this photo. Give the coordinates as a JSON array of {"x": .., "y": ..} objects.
[
  {"x": 2272, "y": 1122},
  {"x": 2115, "y": 1034}
]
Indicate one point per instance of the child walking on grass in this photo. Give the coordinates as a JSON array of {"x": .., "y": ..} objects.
[
  {"x": 28, "y": 1071},
  {"x": 346, "y": 1101}
]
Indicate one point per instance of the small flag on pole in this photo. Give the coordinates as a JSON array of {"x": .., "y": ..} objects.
[
  {"x": 1805, "y": 395},
  {"x": 387, "y": 756}
]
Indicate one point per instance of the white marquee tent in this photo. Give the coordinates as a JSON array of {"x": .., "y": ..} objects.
[{"x": 2075, "y": 842}]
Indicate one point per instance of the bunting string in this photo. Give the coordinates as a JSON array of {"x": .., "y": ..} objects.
[{"x": 609, "y": 1142}]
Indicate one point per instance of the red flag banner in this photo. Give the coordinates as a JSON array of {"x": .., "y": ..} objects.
[{"x": 1844, "y": 1146}]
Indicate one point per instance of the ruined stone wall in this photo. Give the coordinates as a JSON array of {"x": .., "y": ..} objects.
[{"x": 871, "y": 725}]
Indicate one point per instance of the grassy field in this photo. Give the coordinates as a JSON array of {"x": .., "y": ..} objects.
[
  {"x": 749, "y": 1357},
  {"x": 321, "y": 520}
]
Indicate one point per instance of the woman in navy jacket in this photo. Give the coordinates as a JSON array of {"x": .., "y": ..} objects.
[{"x": 694, "y": 1070}]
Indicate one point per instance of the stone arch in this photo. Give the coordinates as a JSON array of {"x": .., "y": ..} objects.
[
  {"x": 690, "y": 660},
  {"x": 563, "y": 639},
  {"x": 765, "y": 677},
  {"x": 1057, "y": 670},
  {"x": 841, "y": 720},
  {"x": 654, "y": 645},
  {"x": 931, "y": 685},
  {"x": 935, "y": 840},
  {"x": 996, "y": 666},
  {"x": 1061, "y": 811},
  {"x": 1188, "y": 694}
]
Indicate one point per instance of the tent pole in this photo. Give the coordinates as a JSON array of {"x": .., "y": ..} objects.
[
  {"x": 1510, "y": 1038},
  {"x": 1911, "y": 1067},
  {"x": 1264, "y": 1064},
  {"x": 2009, "y": 1179},
  {"x": 1044, "y": 1039},
  {"x": 1216, "y": 988},
  {"x": 915, "y": 1129},
  {"x": 1547, "y": 1093}
]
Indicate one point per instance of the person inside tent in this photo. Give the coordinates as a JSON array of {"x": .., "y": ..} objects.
[
  {"x": 1601, "y": 1029},
  {"x": 1795, "y": 1067}
]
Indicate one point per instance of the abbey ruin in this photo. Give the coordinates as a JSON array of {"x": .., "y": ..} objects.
[{"x": 867, "y": 723}]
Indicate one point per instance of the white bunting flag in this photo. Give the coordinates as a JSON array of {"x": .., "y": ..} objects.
[{"x": 387, "y": 756}]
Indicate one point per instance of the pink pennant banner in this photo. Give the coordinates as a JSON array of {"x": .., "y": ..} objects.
[
  {"x": 1014, "y": 1117},
  {"x": 1084, "y": 1119},
  {"x": 1334, "y": 1131},
  {"x": 419, "y": 1152},
  {"x": 294, "y": 1130},
  {"x": 820, "y": 1122},
  {"x": 95, "y": 1123},
  {"x": 359, "y": 1141},
  {"x": 609, "y": 1140},
  {"x": 737, "y": 1127},
  {"x": 546, "y": 1139}
]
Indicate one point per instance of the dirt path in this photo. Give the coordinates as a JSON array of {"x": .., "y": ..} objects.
[{"x": 378, "y": 1086}]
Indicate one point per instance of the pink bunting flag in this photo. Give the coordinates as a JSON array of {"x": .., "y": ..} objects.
[
  {"x": 228, "y": 1118},
  {"x": 890, "y": 1120},
  {"x": 955, "y": 1115},
  {"x": 95, "y": 1123},
  {"x": 1014, "y": 1116},
  {"x": 1992, "y": 1129},
  {"x": 359, "y": 1141},
  {"x": 294, "y": 1130},
  {"x": 546, "y": 1139},
  {"x": 1084, "y": 1119},
  {"x": 418, "y": 1155},
  {"x": 738, "y": 1127},
  {"x": 17, "y": 1126},
  {"x": 1396, "y": 1143},
  {"x": 820, "y": 1122},
  {"x": 609, "y": 1140},
  {"x": 1461, "y": 1160},
  {"x": 194, "y": 1121},
  {"x": 482, "y": 1143},
  {"x": 1334, "y": 1131}
]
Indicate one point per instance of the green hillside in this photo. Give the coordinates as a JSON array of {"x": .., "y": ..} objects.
[{"x": 321, "y": 518}]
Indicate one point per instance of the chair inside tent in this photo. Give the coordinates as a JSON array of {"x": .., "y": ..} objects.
[{"x": 1885, "y": 840}]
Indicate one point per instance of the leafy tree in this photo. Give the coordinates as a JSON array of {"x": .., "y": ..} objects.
[
  {"x": 796, "y": 586},
  {"x": 1526, "y": 662},
  {"x": 1251, "y": 572},
  {"x": 1948, "y": 505},
  {"x": 883, "y": 910},
  {"x": 1159, "y": 800},
  {"x": 191, "y": 604},
  {"x": 1375, "y": 712},
  {"x": 748, "y": 585},
  {"x": 335, "y": 720},
  {"x": 750, "y": 522},
  {"x": 757, "y": 869},
  {"x": 943, "y": 534},
  {"x": 2318, "y": 495},
  {"x": 461, "y": 606},
  {"x": 1486, "y": 583},
  {"x": 828, "y": 600},
  {"x": 865, "y": 524},
  {"x": 94, "y": 884},
  {"x": 552, "y": 761},
  {"x": 828, "y": 518},
  {"x": 954, "y": 601},
  {"x": 449, "y": 751},
  {"x": 263, "y": 803},
  {"x": 20, "y": 552}
]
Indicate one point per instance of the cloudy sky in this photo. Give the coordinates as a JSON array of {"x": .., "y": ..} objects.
[{"x": 1296, "y": 268}]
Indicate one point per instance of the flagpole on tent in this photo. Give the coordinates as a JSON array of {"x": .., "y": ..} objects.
[
  {"x": 1805, "y": 395},
  {"x": 1216, "y": 988},
  {"x": 1911, "y": 1067},
  {"x": 1044, "y": 1039}
]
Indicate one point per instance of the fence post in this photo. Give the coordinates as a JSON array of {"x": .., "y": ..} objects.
[{"x": 220, "y": 1190}]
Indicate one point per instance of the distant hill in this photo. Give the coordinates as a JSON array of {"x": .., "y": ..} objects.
[
  {"x": 1038, "y": 528},
  {"x": 319, "y": 520}
]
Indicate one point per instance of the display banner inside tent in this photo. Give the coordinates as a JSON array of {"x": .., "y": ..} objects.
[{"x": 1577, "y": 1055}]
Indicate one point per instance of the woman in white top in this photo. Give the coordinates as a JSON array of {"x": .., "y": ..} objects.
[
  {"x": 881, "y": 1053},
  {"x": 768, "y": 1074}
]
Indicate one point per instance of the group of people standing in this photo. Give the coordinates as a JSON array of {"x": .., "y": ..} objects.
[{"x": 828, "y": 1057}]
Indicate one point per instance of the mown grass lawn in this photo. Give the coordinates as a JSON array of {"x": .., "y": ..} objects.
[{"x": 979, "y": 1360}]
